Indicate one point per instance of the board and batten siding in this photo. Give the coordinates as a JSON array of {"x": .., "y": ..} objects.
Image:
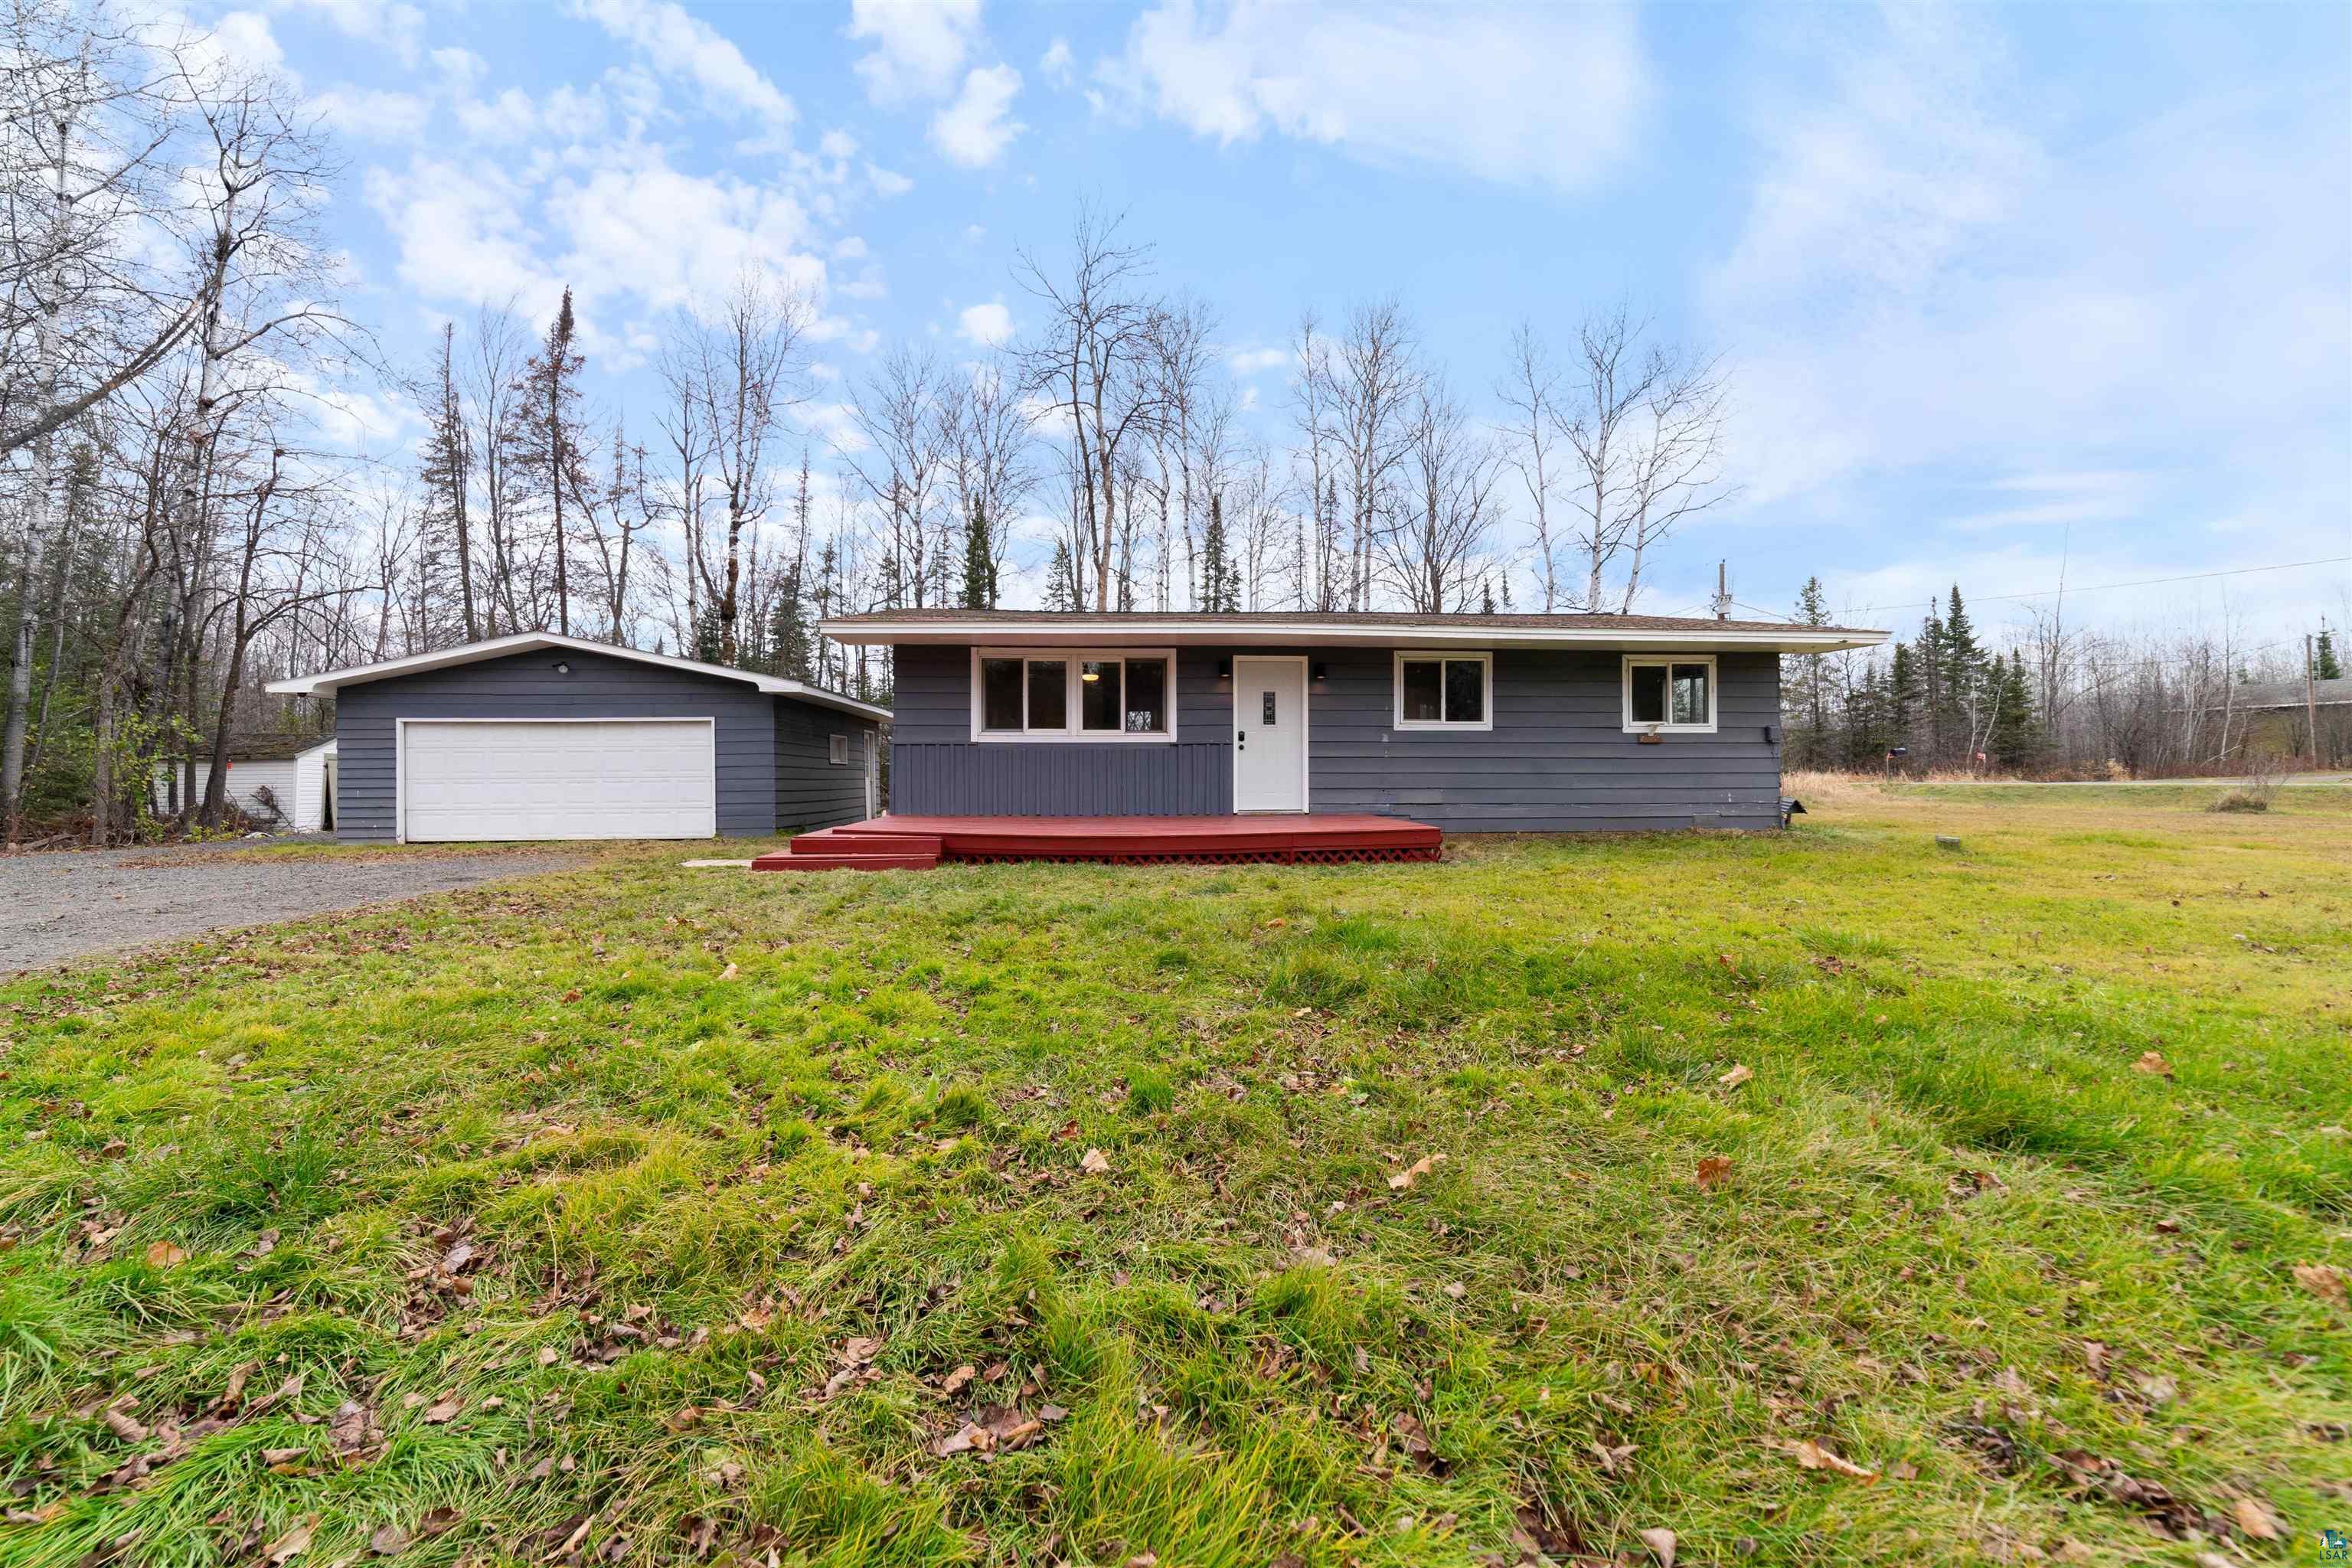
[
  {"x": 812, "y": 790},
  {"x": 1557, "y": 760},
  {"x": 526, "y": 686}
]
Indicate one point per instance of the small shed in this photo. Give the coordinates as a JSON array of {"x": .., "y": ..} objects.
[{"x": 277, "y": 779}]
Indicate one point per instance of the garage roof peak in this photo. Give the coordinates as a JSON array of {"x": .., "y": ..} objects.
[{"x": 328, "y": 682}]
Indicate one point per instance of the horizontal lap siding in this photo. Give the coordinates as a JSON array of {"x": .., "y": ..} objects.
[
  {"x": 936, "y": 768},
  {"x": 812, "y": 790},
  {"x": 1557, "y": 760},
  {"x": 526, "y": 686}
]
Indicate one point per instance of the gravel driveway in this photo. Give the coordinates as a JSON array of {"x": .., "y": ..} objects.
[{"x": 70, "y": 904}]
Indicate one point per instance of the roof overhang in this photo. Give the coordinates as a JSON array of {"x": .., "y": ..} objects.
[
  {"x": 328, "y": 682},
  {"x": 1309, "y": 631}
]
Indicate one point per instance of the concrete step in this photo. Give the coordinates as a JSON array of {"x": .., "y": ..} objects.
[{"x": 823, "y": 862}]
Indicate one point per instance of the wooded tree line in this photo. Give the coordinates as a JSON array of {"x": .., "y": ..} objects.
[{"x": 2059, "y": 702}]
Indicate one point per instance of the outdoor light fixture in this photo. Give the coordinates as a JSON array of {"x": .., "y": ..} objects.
[
  {"x": 561, "y": 667},
  {"x": 1322, "y": 672},
  {"x": 1090, "y": 676},
  {"x": 1224, "y": 669}
]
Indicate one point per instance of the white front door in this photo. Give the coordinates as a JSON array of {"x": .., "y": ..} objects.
[
  {"x": 1270, "y": 734},
  {"x": 538, "y": 778}
]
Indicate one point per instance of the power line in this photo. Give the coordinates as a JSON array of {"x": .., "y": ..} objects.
[{"x": 2106, "y": 587}]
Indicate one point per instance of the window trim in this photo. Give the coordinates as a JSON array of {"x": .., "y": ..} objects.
[
  {"x": 1667, "y": 661},
  {"x": 1483, "y": 658},
  {"x": 1071, "y": 734},
  {"x": 837, "y": 750}
]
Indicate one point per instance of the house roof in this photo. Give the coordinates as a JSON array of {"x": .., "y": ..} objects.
[
  {"x": 1361, "y": 628},
  {"x": 266, "y": 748},
  {"x": 2259, "y": 694},
  {"x": 329, "y": 681}
]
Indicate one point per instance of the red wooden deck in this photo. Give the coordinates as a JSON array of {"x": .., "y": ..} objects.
[{"x": 892, "y": 842}]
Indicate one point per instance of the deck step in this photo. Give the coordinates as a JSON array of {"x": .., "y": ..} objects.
[
  {"x": 835, "y": 841},
  {"x": 873, "y": 861}
]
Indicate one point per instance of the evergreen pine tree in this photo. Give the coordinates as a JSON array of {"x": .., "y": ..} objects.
[
  {"x": 788, "y": 630},
  {"x": 2324, "y": 665},
  {"x": 1899, "y": 711},
  {"x": 1061, "y": 579},
  {"x": 1805, "y": 687},
  {"x": 1485, "y": 597},
  {"x": 1964, "y": 695},
  {"x": 979, "y": 563},
  {"x": 1213, "y": 568},
  {"x": 2016, "y": 730}
]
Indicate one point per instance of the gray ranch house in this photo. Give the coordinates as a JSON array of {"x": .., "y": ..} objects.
[
  {"x": 1469, "y": 722},
  {"x": 537, "y": 736}
]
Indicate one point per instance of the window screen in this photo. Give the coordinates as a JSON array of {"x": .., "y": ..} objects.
[
  {"x": 1049, "y": 686},
  {"x": 1000, "y": 693},
  {"x": 1649, "y": 694},
  {"x": 1690, "y": 694},
  {"x": 1424, "y": 690},
  {"x": 1466, "y": 691},
  {"x": 840, "y": 751},
  {"x": 1099, "y": 704},
  {"x": 1147, "y": 696}
]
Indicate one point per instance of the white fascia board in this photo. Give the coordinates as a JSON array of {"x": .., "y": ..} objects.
[
  {"x": 1051, "y": 633},
  {"x": 538, "y": 642}
]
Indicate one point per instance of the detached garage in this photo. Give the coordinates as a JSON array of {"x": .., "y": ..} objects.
[{"x": 537, "y": 736}]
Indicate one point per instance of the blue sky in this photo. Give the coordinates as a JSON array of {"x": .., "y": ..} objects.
[{"x": 2000, "y": 287}]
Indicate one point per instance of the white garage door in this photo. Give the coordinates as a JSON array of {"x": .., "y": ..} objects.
[{"x": 544, "y": 778}]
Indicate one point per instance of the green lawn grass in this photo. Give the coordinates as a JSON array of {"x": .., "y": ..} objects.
[{"x": 640, "y": 1214}]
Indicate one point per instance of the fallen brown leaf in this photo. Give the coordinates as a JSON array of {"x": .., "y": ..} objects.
[
  {"x": 294, "y": 1542},
  {"x": 164, "y": 1254},
  {"x": 1093, "y": 1162},
  {"x": 2323, "y": 1281},
  {"x": 1739, "y": 1074},
  {"x": 957, "y": 1379},
  {"x": 728, "y": 972},
  {"x": 1811, "y": 1456},
  {"x": 2153, "y": 1062},
  {"x": 1713, "y": 1170},
  {"x": 2257, "y": 1520},
  {"x": 389, "y": 1541},
  {"x": 443, "y": 1410},
  {"x": 2094, "y": 1355},
  {"x": 1662, "y": 1542},
  {"x": 858, "y": 1352},
  {"x": 1403, "y": 1180}
]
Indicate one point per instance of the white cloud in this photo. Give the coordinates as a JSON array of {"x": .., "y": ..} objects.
[
  {"x": 1056, "y": 65},
  {"x": 461, "y": 232},
  {"x": 838, "y": 144},
  {"x": 369, "y": 114},
  {"x": 978, "y": 126},
  {"x": 509, "y": 117},
  {"x": 1924, "y": 284},
  {"x": 1250, "y": 361},
  {"x": 1546, "y": 94},
  {"x": 887, "y": 184},
  {"x": 393, "y": 24},
  {"x": 918, "y": 45},
  {"x": 687, "y": 49},
  {"x": 986, "y": 324},
  {"x": 673, "y": 239}
]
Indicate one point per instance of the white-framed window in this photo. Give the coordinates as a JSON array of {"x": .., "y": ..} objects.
[
  {"x": 840, "y": 757},
  {"x": 1445, "y": 690},
  {"x": 1093, "y": 695},
  {"x": 1670, "y": 693}
]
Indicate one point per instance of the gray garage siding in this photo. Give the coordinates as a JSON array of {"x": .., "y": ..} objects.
[
  {"x": 1557, "y": 760},
  {"x": 812, "y": 790},
  {"x": 526, "y": 686}
]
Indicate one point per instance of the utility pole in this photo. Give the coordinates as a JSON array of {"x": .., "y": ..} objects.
[
  {"x": 2310, "y": 699},
  {"x": 1722, "y": 594}
]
